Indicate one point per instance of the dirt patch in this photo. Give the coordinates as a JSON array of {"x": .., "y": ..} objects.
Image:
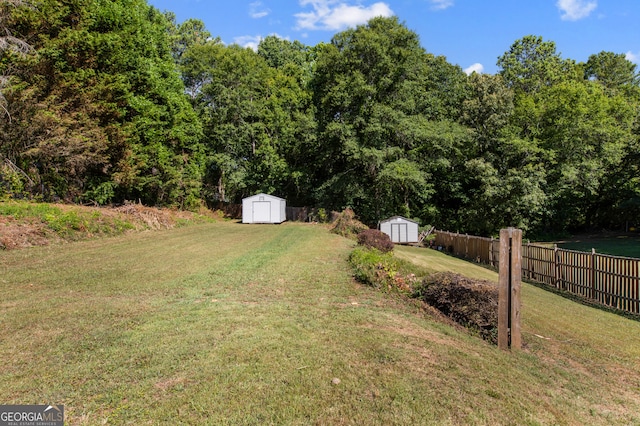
[
  {"x": 19, "y": 234},
  {"x": 171, "y": 383}
]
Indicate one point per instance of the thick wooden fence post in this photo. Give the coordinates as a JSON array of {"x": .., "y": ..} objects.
[
  {"x": 510, "y": 269},
  {"x": 593, "y": 274}
]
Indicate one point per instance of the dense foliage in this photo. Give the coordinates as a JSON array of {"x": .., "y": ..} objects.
[
  {"x": 116, "y": 101},
  {"x": 98, "y": 112}
]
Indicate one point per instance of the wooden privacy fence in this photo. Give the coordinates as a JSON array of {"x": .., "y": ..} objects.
[
  {"x": 613, "y": 281},
  {"x": 478, "y": 249},
  {"x": 296, "y": 214}
]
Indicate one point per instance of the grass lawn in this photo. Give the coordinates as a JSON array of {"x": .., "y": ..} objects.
[
  {"x": 627, "y": 245},
  {"x": 224, "y": 323}
]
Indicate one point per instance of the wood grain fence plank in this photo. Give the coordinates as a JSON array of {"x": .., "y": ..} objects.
[{"x": 608, "y": 280}]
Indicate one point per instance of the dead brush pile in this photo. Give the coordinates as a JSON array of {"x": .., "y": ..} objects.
[
  {"x": 346, "y": 224},
  {"x": 15, "y": 235},
  {"x": 149, "y": 217},
  {"x": 471, "y": 303},
  {"x": 372, "y": 238}
]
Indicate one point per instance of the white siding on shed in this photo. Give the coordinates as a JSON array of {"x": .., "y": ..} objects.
[
  {"x": 263, "y": 208},
  {"x": 400, "y": 229}
]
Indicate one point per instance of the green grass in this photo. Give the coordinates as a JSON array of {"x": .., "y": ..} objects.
[
  {"x": 627, "y": 245},
  {"x": 436, "y": 261},
  {"x": 244, "y": 324}
]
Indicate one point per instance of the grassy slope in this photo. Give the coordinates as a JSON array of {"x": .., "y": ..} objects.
[{"x": 238, "y": 324}]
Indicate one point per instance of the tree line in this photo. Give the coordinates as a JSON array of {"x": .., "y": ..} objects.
[{"x": 114, "y": 100}]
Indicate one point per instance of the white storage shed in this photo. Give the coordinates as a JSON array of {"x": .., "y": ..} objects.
[
  {"x": 263, "y": 208},
  {"x": 400, "y": 229}
]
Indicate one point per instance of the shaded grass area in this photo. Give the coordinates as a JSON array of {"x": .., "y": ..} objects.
[
  {"x": 240, "y": 324},
  {"x": 627, "y": 245}
]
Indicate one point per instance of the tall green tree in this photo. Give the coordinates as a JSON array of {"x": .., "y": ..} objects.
[
  {"x": 102, "y": 110},
  {"x": 577, "y": 121},
  {"x": 613, "y": 70},
  {"x": 502, "y": 177},
  {"x": 532, "y": 64},
  {"x": 183, "y": 37},
  {"x": 280, "y": 53},
  {"x": 257, "y": 119},
  {"x": 369, "y": 82},
  {"x": 9, "y": 44},
  {"x": 588, "y": 134}
]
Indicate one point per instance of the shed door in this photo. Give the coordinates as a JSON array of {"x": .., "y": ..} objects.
[
  {"x": 261, "y": 211},
  {"x": 399, "y": 233}
]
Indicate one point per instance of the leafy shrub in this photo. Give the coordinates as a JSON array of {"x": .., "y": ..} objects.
[
  {"x": 323, "y": 216},
  {"x": 373, "y": 238},
  {"x": 373, "y": 267},
  {"x": 471, "y": 303},
  {"x": 101, "y": 194},
  {"x": 381, "y": 270},
  {"x": 347, "y": 225}
]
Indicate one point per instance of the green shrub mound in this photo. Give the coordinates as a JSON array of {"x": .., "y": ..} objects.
[
  {"x": 372, "y": 238},
  {"x": 373, "y": 267},
  {"x": 471, "y": 303}
]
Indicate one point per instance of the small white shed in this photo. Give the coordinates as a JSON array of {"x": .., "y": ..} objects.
[
  {"x": 263, "y": 208},
  {"x": 400, "y": 229}
]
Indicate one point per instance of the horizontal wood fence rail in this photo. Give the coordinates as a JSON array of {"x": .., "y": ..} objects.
[
  {"x": 609, "y": 280},
  {"x": 479, "y": 249},
  {"x": 233, "y": 211}
]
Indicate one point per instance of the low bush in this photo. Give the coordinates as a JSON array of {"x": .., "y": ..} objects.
[
  {"x": 372, "y": 238},
  {"x": 471, "y": 303},
  {"x": 372, "y": 267},
  {"x": 382, "y": 270}
]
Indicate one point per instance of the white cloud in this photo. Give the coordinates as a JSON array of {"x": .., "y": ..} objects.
[
  {"x": 257, "y": 10},
  {"x": 253, "y": 41},
  {"x": 474, "y": 68},
  {"x": 441, "y": 4},
  {"x": 573, "y": 10},
  {"x": 633, "y": 57},
  {"x": 248, "y": 41},
  {"x": 334, "y": 15}
]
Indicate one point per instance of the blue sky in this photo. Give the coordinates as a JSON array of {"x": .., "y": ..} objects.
[{"x": 470, "y": 33}]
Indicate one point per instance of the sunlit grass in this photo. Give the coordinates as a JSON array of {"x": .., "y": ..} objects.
[
  {"x": 226, "y": 323},
  {"x": 627, "y": 245},
  {"x": 435, "y": 261}
]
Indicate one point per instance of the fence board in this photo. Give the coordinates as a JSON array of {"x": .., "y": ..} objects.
[{"x": 609, "y": 280}]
